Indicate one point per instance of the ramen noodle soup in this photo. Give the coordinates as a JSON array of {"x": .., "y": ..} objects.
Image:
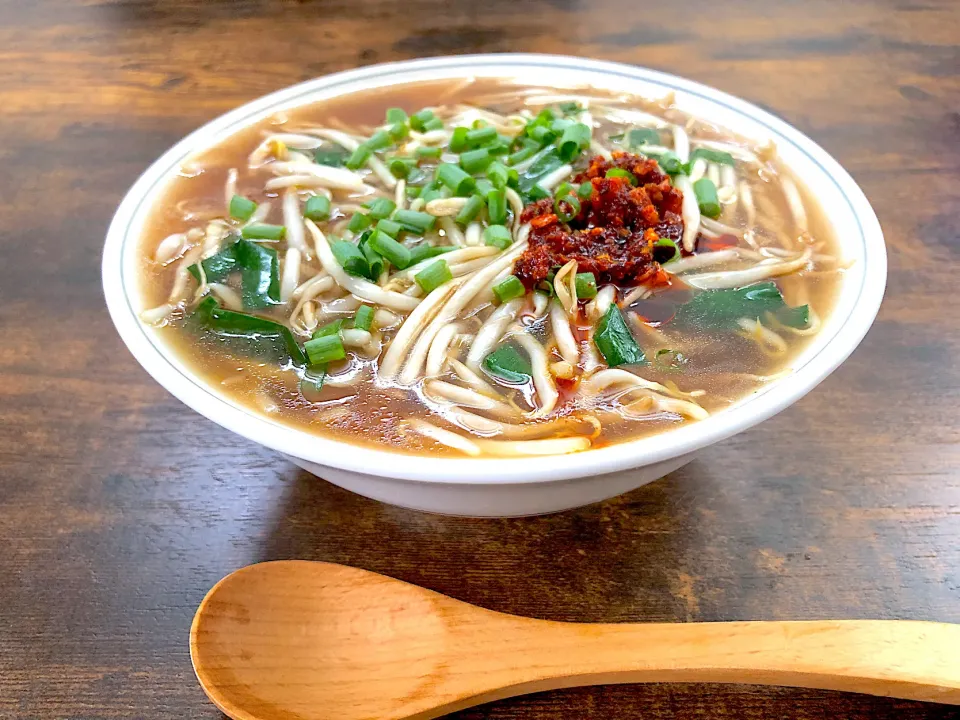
[{"x": 484, "y": 270}]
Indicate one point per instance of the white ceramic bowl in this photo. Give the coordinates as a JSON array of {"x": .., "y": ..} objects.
[{"x": 498, "y": 487}]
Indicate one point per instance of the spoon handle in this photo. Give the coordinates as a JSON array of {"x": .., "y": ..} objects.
[{"x": 892, "y": 658}]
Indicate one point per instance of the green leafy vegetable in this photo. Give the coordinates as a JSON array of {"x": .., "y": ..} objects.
[
  {"x": 615, "y": 342},
  {"x": 642, "y": 136},
  {"x": 717, "y": 156},
  {"x": 334, "y": 157},
  {"x": 507, "y": 363},
  {"x": 257, "y": 335},
  {"x": 721, "y": 309},
  {"x": 259, "y": 275}
]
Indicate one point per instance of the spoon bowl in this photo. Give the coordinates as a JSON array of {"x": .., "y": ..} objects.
[{"x": 298, "y": 640}]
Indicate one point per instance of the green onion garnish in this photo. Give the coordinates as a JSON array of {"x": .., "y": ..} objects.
[
  {"x": 415, "y": 221},
  {"x": 363, "y": 320},
  {"x": 433, "y": 123},
  {"x": 389, "y": 227},
  {"x": 317, "y": 208},
  {"x": 390, "y": 249},
  {"x": 566, "y": 196},
  {"x": 359, "y": 158},
  {"x": 470, "y": 210},
  {"x": 375, "y": 263},
  {"x": 331, "y": 328},
  {"x": 380, "y": 208},
  {"x": 433, "y": 276},
  {"x": 351, "y": 258},
  {"x": 419, "y": 119},
  {"x": 398, "y": 131},
  {"x": 334, "y": 157},
  {"x": 669, "y": 162},
  {"x": 508, "y": 289},
  {"x": 497, "y": 207},
  {"x": 424, "y": 251},
  {"x": 396, "y": 115},
  {"x": 498, "y": 174},
  {"x": 585, "y": 191},
  {"x": 400, "y": 167},
  {"x": 542, "y": 134},
  {"x": 379, "y": 140},
  {"x": 241, "y": 208},
  {"x": 358, "y": 222},
  {"x": 620, "y": 172},
  {"x": 263, "y": 232},
  {"x": 671, "y": 245},
  {"x": 642, "y": 136},
  {"x": 484, "y": 186},
  {"x": 475, "y": 161},
  {"x": 706, "y": 193},
  {"x": 430, "y": 152},
  {"x": 586, "y": 283},
  {"x": 328, "y": 348},
  {"x": 574, "y": 139},
  {"x": 481, "y": 136},
  {"x": 497, "y": 236},
  {"x": 614, "y": 341},
  {"x": 522, "y": 154},
  {"x": 456, "y": 179},
  {"x": 458, "y": 141}
]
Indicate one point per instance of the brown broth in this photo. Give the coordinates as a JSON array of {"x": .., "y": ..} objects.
[{"x": 371, "y": 415}]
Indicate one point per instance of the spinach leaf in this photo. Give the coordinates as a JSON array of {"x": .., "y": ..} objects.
[
  {"x": 615, "y": 341},
  {"x": 257, "y": 336},
  {"x": 720, "y": 309},
  {"x": 507, "y": 363}
]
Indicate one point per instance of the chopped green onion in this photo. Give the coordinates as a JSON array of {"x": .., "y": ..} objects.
[
  {"x": 470, "y": 210},
  {"x": 499, "y": 174},
  {"x": 500, "y": 147},
  {"x": 359, "y": 158},
  {"x": 543, "y": 135},
  {"x": 263, "y": 232},
  {"x": 363, "y": 320},
  {"x": 669, "y": 162},
  {"x": 375, "y": 263},
  {"x": 484, "y": 186},
  {"x": 710, "y": 155},
  {"x": 333, "y": 157},
  {"x": 620, "y": 172},
  {"x": 614, "y": 341},
  {"x": 524, "y": 153},
  {"x": 509, "y": 288},
  {"x": 326, "y": 349},
  {"x": 380, "y": 208},
  {"x": 497, "y": 207},
  {"x": 433, "y": 123},
  {"x": 317, "y": 208},
  {"x": 642, "y": 136},
  {"x": 424, "y": 251},
  {"x": 569, "y": 108},
  {"x": 548, "y": 161},
  {"x": 433, "y": 276},
  {"x": 566, "y": 196},
  {"x": 419, "y": 119},
  {"x": 351, "y": 258},
  {"x": 398, "y": 131},
  {"x": 379, "y": 140},
  {"x": 358, "y": 222},
  {"x": 706, "y": 193},
  {"x": 434, "y": 193},
  {"x": 670, "y": 360},
  {"x": 574, "y": 139},
  {"x": 241, "y": 208},
  {"x": 561, "y": 124},
  {"x": 663, "y": 257},
  {"x": 506, "y": 363},
  {"x": 475, "y": 161},
  {"x": 481, "y": 136},
  {"x": 585, "y": 191},
  {"x": 400, "y": 167},
  {"x": 456, "y": 179},
  {"x": 331, "y": 328},
  {"x": 458, "y": 141},
  {"x": 396, "y": 115},
  {"x": 390, "y": 249},
  {"x": 586, "y": 283},
  {"x": 415, "y": 221},
  {"x": 412, "y": 191},
  {"x": 430, "y": 152},
  {"x": 497, "y": 236},
  {"x": 389, "y": 227}
]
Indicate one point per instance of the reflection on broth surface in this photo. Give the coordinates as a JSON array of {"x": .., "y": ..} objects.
[{"x": 477, "y": 269}]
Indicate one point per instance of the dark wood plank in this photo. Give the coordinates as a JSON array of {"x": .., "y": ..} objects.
[{"x": 119, "y": 507}]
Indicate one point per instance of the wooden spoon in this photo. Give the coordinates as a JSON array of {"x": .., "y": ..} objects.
[{"x": 298, "y": 640}]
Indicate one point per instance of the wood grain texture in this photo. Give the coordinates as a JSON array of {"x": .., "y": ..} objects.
[
  {"x": 119, "y": 507},
  {"x": 300, "y": 640}
]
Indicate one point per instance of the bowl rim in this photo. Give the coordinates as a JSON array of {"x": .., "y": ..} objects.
[{"x": 778, "y": 395}]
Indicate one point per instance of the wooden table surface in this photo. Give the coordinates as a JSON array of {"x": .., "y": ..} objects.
[{"x": 119, "y": 507}]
